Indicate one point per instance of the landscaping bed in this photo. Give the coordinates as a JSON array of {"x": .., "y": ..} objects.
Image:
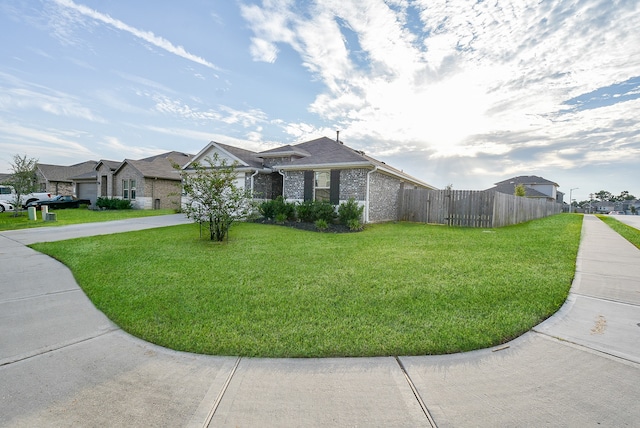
[{"x": 311, "y": 227}]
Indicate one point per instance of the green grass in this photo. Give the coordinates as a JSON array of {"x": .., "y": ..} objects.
[
  {"x": 629, "y": 233},
  {"x": 271, "y": 291},
  {"x": 8, "y": 221}
]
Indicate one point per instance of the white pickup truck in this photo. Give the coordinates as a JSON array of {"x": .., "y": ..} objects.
[{"x": 8, "y": 194}]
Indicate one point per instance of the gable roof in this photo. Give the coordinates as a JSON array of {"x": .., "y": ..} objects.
[
  {"x": 112, "y": 165},
  {"x": 509, "y": 189},
  {"x": 325, "y": 152},
  {"x": 160, "y": 166},
  {"x": 508, "y": 186},
  {"x": 287, "y": 150},
  {"x": 65, "y": 173},
  {"x": 245, "y": 158},
  {"x": 526, "y": 180}
]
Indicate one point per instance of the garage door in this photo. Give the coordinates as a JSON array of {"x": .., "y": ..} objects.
[{"x": 88, "y": 191}]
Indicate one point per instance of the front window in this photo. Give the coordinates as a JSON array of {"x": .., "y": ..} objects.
[
  {"x": 129, "y": 189},
  {"x": 132, "y": 187},
  {"x": 322, "y": 185}
]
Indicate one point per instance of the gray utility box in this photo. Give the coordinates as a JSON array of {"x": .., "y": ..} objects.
[{"x": 50, "y": 217}]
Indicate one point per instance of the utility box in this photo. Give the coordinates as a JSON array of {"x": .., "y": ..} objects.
[
  {"x": 50, "y": 217},
  {"x": 33, "y": 214},
  {"x": 45, "y": 210}
]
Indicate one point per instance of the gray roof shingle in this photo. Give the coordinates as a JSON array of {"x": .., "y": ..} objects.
[
  {"x": 526, "y": 179},
  {"x": 65, "y": 173}
]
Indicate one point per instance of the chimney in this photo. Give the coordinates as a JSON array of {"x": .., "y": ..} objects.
[{"x": 337, "y": 136}]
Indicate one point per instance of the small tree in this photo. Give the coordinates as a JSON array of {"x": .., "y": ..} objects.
[
  {"x": 213, "y": 197},
  {"x": 520, "y": 190},
  {"x": 23, "y": 178}
]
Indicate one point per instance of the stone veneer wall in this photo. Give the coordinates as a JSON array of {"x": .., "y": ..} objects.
[
  {"x": 294, "y": 185},
  {"x": 383, "y": 200},
  {"x": 261, "y": 185},
  {"x": 353, "y": 184}
]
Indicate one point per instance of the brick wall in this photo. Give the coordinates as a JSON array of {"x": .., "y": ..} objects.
[
  {"x": 105, "y": 171},
  {"x": 167, "y": 192}
]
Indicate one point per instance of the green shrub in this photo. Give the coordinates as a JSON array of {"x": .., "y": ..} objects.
[
  {"x": 321, "y": 224},
  {"x": 275, "y": 207},
  {"x": 350, "y": 210},
  {"x": 281, "y": 218},
  {"x": 305, "y": 211},
  {"x": 324, "y": 211},
  {"x": 354, "y": 225},
  {"x": 113, "y": 204},
  {"x": 310, "y": 211}
]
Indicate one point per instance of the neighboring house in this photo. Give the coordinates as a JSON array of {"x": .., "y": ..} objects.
[
  {"x": 604, "y": 207},
  {"x": 150, "y": 183},
  {"x": 320, "y": 169},
  {"x": 636, "y": 207},
  {"x": 77, "y": 180},
  {"x": 535, "y": 187}
]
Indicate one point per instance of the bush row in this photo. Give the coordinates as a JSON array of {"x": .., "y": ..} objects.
[
  {"x": 113, "y": 204},
  {"x": 349, "y": 213}
]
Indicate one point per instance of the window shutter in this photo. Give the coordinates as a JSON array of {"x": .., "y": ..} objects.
[
  {"x": 308, "y": 185},
  {"x": 334, "y": 190}
]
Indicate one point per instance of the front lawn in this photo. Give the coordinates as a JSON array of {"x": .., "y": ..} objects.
[
  {"x": 8, "y": 221},
  {"x": 271, "y": 291}
]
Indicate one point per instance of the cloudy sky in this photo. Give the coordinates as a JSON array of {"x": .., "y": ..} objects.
[{"x": 453, "y": 92}]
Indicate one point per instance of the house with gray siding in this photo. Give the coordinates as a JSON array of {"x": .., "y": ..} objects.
[
  {"x": 535, "y": 187},
  {"x": 320, "y": 169}
]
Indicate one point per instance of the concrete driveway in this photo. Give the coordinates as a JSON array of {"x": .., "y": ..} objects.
[{"x": 63, "y": 363}]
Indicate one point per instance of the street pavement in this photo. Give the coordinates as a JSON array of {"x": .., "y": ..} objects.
[{"x": 63, "y": 363}]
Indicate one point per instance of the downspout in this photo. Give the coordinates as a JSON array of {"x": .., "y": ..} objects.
[
  {"x": 283, "y": 177},
  {"x": 366, "y": 209}
]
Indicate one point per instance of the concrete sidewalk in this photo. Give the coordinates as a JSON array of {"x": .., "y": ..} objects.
[{"x": 62, "y": 363}]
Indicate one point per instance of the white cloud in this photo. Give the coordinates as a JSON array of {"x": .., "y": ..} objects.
[
  {"x": 482, "y": 79},
  {"x": 16, "y": 139},
  {"x": 21, "y": 95},
  {"x": 261, "y": 50},
  {"x": 147, "y": 36},
  {"x": 127, "y": 151}
]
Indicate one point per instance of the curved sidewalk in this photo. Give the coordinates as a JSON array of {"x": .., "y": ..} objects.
[{"x": 63, "y": 363}]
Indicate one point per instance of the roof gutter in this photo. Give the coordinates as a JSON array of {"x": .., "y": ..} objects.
[
  {"x": 297, "y": 167},
  {"x": 253, "y": 175}
]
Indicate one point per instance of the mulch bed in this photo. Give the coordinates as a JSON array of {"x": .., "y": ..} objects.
[{"x": 332, "y": 228}]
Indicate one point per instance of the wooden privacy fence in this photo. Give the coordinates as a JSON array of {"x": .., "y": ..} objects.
[{"x": 472, "y": 208}]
